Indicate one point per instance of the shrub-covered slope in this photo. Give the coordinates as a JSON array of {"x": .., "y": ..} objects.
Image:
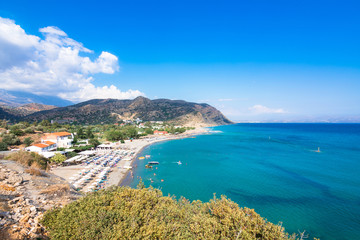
[{"x": 126, "y": 213}]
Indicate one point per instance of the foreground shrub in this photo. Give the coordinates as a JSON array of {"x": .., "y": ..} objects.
[
  {"x": 28, "y": 159},
  {"x": 126, "y": 213}
]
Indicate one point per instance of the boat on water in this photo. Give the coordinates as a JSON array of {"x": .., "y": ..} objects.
[
  {"x": 179, "y": 162},
  {"x": 148, "y": 166},
  {"x": 147, "y": 156},
  {"x": 141, "y": 158},
  {"x": 153, "y": 163},
  {"x": 318, "y": 150}
]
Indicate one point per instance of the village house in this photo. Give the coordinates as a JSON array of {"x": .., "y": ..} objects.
[
  {"x": 62, "y": 139},
  {"x": 42, "y": 147},
  {"x": 156, "y": 132}
]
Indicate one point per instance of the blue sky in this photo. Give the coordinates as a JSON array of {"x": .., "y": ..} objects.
[{"x": 254, "y": 60}]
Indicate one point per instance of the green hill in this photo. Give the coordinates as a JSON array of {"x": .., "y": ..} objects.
[{"x": 111, "y": 110}]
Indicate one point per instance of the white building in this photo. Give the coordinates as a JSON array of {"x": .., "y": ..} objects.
[
  {"x": 62, "y": 139},
  {"x": 42, "y": 147}
]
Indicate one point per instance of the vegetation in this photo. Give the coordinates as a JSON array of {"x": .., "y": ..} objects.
[
  {"x": 94, "y": 133},
  {"x": 58, "y": 158},
  {"x": 28, "y": 141},
  {"x": 28, "y": 159},
  {"x": 58, "y": 189},
  {"x": 94, "y": 142},
  {"x": 82, "y": 148},
  {"x": 3, "y": 146},
  {"x": 11, "y": 139},
  {"x": 34, "y": 171},
  {"x": 126, "y": 213}
]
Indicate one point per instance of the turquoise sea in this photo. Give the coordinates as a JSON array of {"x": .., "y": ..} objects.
[{"x": 273, "y": 168}]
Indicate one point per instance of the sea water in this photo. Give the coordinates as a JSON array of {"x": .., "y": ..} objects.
[{"x": 273, "y": 168}]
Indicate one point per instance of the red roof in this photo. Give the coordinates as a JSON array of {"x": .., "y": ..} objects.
[
  {"x": 163, "y": 132},
  {"x": 61, "y": 134},
  {"x": 49, "y": 143},
  {"x": 40, "y": 145}
]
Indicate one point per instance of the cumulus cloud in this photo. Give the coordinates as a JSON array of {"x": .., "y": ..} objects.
[
  {"x": 54, "y": 64},
  {"x": 260, "y": 109}
]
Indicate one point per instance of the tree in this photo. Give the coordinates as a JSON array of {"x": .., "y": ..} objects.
[
  {"x": 11, "y": 139},
  {"x": 149, "y": 131},
  {"x": 58, "y": 158},
  {"x": 131, "y": 132},
  {"x": 45, "y": 123},
  {"x": 16, "y": 130},
  {"x": 89, "y": 133},
  {"x": 30, "y": 130},
  {"x": 80, "y": 133},
  {"x": 3, "y": 146},
  {"x": 114, "y": 135},
  {"x": 28, "y": 141},
  {"x": 94, "y": 142}
]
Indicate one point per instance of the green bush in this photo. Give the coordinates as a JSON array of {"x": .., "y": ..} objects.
[
  {"x": 28, "y": 141},
  {"x": 3, "y": 146},
  {"x": 58, "y": 158},
  {"x": 126, "y": 213},
  {"x": 83, "y": 148},
  {"x": 11, "y": 139}
]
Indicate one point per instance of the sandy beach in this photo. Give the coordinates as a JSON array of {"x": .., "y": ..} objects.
[{"x": 117, "y": 174}]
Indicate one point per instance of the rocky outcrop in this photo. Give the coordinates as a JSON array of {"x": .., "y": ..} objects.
[{"x": 23, "y": 202}]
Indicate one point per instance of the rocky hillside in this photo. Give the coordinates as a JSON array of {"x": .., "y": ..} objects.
[
  {"x": 32, "y": 108},
  {"x": 25, "y": 197},
  {"x": 15, "y": 113},
  {"x": 111, "y": 110}
]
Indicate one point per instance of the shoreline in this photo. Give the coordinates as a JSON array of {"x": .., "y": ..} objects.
[
  {"x": 125, "y": 180},
  {"x": 119, "y": 174}
]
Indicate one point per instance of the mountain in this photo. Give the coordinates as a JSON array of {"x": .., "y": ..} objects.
[
  {"x": 30, "y": 108},
  {"x": 111, "y": 110},
  {"x": 8, "y": 115},
  {"x": 15, "y": 113},
  {"x": 16, "y": 99}
]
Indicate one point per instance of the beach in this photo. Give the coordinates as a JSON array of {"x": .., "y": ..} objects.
[{"x": 118, "y": 174}]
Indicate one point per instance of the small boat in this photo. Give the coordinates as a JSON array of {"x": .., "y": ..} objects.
[
  {"x": 141, "y": 158},
  {"x": 318, "y": 150},
  {"x": 179, "y": 162},
  {"x": 147, "y": 156},
  {"x": 153, "y": 163},
  {"x": 148, "y": 166}
]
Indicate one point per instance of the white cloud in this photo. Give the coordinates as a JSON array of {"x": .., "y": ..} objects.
[
  {"x": 260, "y": 109},
  {"x": 53, "y": 30},
  {"x": 53, "y": 65}
]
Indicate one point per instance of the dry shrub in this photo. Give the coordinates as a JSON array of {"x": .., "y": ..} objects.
[
  {"x": 58, "y": 189},
  {"x": 34, "y": 171},
  {"x": 28, "y": 159},
  {"x": 6, "y": 187}
]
